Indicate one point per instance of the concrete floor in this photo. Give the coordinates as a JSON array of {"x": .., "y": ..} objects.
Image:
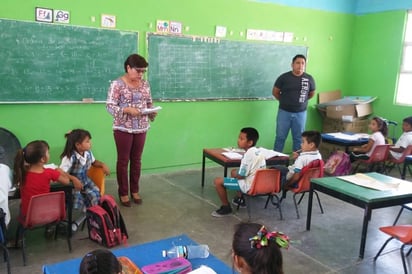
[{"x": 175, "y": 203}]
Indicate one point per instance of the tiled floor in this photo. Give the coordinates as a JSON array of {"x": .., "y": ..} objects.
[{"x": 175, "y": 203}]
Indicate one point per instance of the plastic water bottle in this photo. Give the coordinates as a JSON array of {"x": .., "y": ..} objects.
[{"x": 187, "y": 251}]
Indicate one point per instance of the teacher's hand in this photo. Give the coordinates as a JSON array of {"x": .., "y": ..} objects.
[
  {"x": 152, "y": 116},
  {"x": 132, "y": 111}
]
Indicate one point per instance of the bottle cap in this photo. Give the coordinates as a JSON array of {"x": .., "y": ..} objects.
[{"x": 164, "y": 253}]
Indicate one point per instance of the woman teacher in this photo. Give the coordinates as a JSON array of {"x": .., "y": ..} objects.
[{"x": 127, "y": 97}]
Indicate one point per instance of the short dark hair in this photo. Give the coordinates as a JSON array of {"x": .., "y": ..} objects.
[
  {"x": 408, "y": 120},
  {"x": 251, "y": 134},
  {"x": 135, "y": 61},
  {"x": 298, "y": 56},
  {"x": 312, "y": 136}
]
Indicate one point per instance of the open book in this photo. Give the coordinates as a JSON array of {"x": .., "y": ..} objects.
[
  {"x": 151, "y": 110},
  {"x": 232, "y": 155}
]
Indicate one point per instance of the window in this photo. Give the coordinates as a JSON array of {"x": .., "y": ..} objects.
[{"x": 404, "y": 92}]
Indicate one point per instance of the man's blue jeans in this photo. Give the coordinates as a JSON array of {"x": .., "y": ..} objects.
[{"x": 295, "y": 121}]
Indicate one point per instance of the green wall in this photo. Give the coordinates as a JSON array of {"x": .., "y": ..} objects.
[
  {"x": 182, "y": 129},
  {"x": 376, "y": 58}
]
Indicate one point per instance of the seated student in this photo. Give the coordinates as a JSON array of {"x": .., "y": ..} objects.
[
  {"x": 379, "y": 130},
  {"x": 76, "y": 161},
  {"x": 256, "y": 250},
  {"x": 100, "y": 261},
  {"x": 241, "y": 179},
  {"x": 309, "y": 152},
  {"x": 31, "y": 175},
  {"x": 403, "y": 141},
  {"x": 5, "y": 186}
]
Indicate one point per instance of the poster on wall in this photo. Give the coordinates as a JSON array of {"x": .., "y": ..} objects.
[
  {"x": 162, "y": 26},
  {"x": 108, "y": 21}
]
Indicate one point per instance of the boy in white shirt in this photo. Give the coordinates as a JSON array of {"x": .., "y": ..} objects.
[
  {"x": 240, "y": 180},
  {"x": 309, "y": 152},
  {"x": 403, "y": 141}
]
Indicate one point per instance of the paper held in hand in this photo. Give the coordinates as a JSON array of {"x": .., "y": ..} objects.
[{"x": 151, "y": 110}]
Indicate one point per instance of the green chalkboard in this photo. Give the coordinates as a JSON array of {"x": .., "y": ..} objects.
[
  {"x": 43, "y": 62},
  {"x": 193, "y": 68}
]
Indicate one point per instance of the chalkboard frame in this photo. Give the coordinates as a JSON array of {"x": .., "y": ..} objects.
[
  {"x": 95, "y": 90},
  {"x": 154, "y": 69}
]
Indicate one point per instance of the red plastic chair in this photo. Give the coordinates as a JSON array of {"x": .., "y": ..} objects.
[
  {"x": 265, "y": 183},
  {"x": 378, "y": 156},
  {"x": 44, "y": 209},
  {"x": 402, "y": 233},
  {"x": 313, "y": 170},
  {"x": 392, "y": 162}
]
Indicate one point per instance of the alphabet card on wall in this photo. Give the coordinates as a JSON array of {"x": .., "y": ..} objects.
[
  {"x": 44, "y": 15},
  {"x": 61, "y": 16},
  {"x": 175, "y": 27},
  {"x": 162, "y": 26}
]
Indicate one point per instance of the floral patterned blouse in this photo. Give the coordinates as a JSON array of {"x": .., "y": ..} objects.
[{"x": 119, "y": 96}]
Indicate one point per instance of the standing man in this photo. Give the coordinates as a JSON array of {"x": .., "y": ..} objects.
[{"x": 293, "y": 89}]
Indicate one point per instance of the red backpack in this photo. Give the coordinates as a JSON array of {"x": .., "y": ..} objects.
[
  {"x": 338, "y": 164},
  {"x": 105, "y": 223}
]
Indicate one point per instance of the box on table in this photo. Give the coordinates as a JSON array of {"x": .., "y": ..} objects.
[
  {"x": 358, "y": 125},
  {"x": 332, "y": 105}
]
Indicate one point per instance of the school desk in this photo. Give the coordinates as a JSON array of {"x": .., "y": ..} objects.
[
  {"x": 363, "y": 197},
  {"x": 145, "y": 254},
  {"x": 344, "y": 142},
  {"x": 215, "y": 154}
]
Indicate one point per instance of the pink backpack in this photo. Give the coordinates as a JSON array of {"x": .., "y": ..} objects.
[{"x": 338, "y": 164}]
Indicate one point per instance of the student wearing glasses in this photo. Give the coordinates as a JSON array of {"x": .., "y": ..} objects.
[{"x": 127, "y": 97}]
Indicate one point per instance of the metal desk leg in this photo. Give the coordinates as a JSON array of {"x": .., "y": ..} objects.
[
  {"x": 366, "y": 218},
  {"x": 203, "y": 170},
  {"x": 309, "y": 215},
  {"x": 225, "y": 172}
]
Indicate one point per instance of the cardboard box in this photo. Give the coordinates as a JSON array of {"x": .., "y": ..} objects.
[
  {"x": 332, "y": 105},
  {"x": 358, "y": 125}
]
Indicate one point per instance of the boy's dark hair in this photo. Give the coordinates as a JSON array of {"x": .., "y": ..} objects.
[
  {"x": 135, "y": 61},
  {"x": 31, "y": 154},
  {"x": 73, "y": 137},
  {"x": 408, "y": 120},
  {"x": 264, "y": 260},
  {"x": 100, "y": 261},
  {"x": 312, "y": 136},
  {"x": 251, "y": 134},
  {"x": 298, "y": 56}
]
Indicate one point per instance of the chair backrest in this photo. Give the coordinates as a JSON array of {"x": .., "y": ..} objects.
[
  {"x": 379, "y": 154},
  {"x": 407, "y": 151},
  {"x": 45, "y": 208},
  {"x": 266, "y": 181},
  {"x": 313, "y": 170},
  {"x": 98, "y": 177}
]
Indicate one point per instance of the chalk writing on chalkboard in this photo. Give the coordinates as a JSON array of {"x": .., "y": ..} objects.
[
  {"x": 50, "y": 62},
  {"x": 191, "y": 68}
]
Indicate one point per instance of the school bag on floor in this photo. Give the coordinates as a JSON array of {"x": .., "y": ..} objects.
[
  {"x": 105, "y": 223},
  {"x": 338, "y": 164}
]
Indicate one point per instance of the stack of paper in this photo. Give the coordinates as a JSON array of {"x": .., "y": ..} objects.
[
  {"x": 271, "y": 153},
  {"x": 151, "y": 110},
  {"x": 232, "y": 155},
  {"x": 369, "y": 182}
]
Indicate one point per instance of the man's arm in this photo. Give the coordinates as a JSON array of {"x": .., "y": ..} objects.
[{"x": 276, "y": 93}]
